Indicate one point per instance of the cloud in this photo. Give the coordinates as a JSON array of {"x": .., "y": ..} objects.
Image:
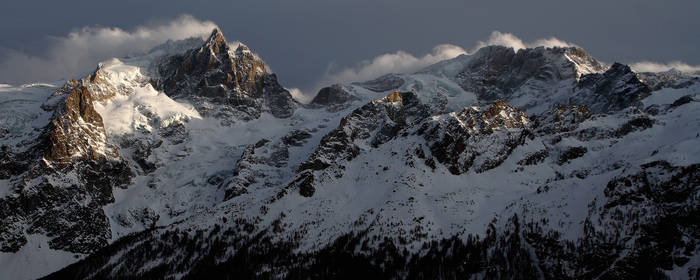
[
  {"x": 398, "y": 62},
  {"x": 509, "y": 40},
  {"x": 647, "y": 66},
  {"x": 80, "y": 50},
  {"x": 300, "y": 96}
]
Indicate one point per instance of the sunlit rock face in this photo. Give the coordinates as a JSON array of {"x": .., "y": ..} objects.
[{"x": 63, "y": 180}]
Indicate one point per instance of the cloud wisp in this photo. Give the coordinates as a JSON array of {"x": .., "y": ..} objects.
[
  {"x": 398, "y": 62},
  {"x": 647, "y": 66},
  {"x": 300, "y": 96},
  {"x": 81, "y": 50},
  {"x": 509, "y": 40}
]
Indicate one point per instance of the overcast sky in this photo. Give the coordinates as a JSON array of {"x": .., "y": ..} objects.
[{"x": 314, "y": 41}]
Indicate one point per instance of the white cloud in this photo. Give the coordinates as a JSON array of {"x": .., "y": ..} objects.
[
  {"x": 647, "y": 66},
  {"x": 80, "y": 50},
  {"x": 300, "y": 96},
  {"x": 509, "y": 40},
  {"x": 398, "y": 62}
]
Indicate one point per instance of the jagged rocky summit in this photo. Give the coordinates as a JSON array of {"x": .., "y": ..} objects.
[
  {"x": 192, "y": 161},
  {"x": 216, "y": 73}
]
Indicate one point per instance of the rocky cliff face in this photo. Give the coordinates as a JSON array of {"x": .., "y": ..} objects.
[
  {"x": 616, "y": 89},
  {"x": 76, "y": 131},
  {"x": 498, "y": 72},
  {"x": 64, "y": 179},
  {"x": 476, "y": 138},
  {"x": 333, "y": 98},
  {"x": 216, "y": 73}
]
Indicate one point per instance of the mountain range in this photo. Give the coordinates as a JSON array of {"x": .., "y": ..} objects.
[{"x": 192, "y": 161}]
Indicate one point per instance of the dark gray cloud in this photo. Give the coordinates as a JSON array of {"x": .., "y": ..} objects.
[{"x": 300, "y": 40}]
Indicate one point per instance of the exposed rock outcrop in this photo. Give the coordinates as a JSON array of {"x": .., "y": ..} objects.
[
  {"x": 333, "y": 98},
  {"x": 383, "y": 83},
  {"x": 65, "y": 179},
  {"x": 561, "y": 119},
  {"x": 476, "y": 138},
  {"x": 217, "y": 73},
  {"x": 76, "y": 131},
  {"x": 371, "y": 125},
  {"x": 618, "y": 88}
]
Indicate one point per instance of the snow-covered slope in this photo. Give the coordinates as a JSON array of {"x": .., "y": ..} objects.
[{"x": 541, "y": 163}]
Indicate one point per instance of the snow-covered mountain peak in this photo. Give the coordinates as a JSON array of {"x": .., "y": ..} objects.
[
  {"x": 115, "y": 77},
  {"x": 529, "y": 58},
  {"x": 221, "y": 81}
]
